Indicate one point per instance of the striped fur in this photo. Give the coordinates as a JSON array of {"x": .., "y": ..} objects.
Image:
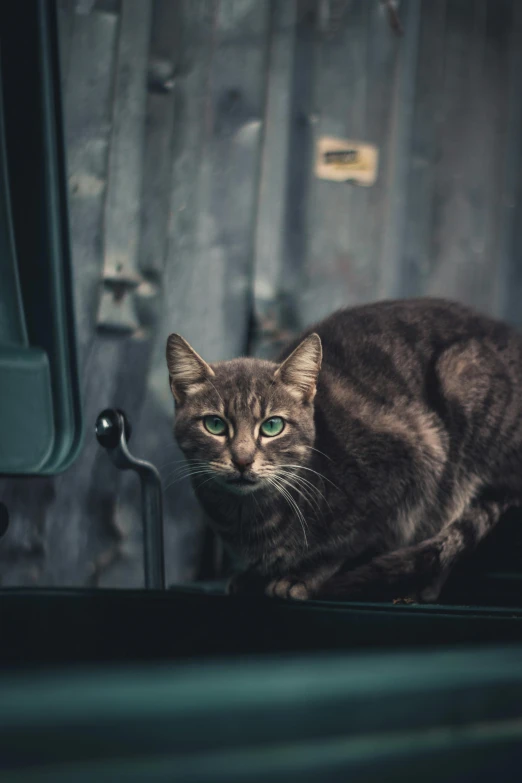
[{"x": 405, "y": 458}]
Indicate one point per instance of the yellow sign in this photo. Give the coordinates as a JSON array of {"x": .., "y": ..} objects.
[{"x": 345, "y": 160}]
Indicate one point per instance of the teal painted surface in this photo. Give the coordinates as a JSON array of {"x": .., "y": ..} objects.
[
  {"x": 431, "y": 716},
  {"x": 40, "y": 419}
]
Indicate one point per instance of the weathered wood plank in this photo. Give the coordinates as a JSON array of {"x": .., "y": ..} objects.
[
  {"x": 507, "y": 288},
  {"x": 115, "y": 546},
  {"x": 163, "y": 70},
  {"x": 424, "y": 150},
  {"x": 228, "y": 183},
  {"x": 123, "y": 197},
  {"x": 84, "y": 7},
  {"x": 300, "y": 155},
  {"x": 88, "y": 111},
  {"x": 488, "y": 154},
  {"x": 271, "y": 286},
  {"x": 383, "y": 63},
  {"x": 175, "y": 131},
  {"x": 354, "y": 87},
  {"x": 467, "y": 175},
  {"x": 182, "y": 516},
  {"x": 389, "y": 283},
  {"x": 333, "y": 254},
  {"x": 219, "y": 98}
]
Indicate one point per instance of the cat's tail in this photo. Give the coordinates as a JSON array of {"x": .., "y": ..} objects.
[{"x": 418, "y": 571}]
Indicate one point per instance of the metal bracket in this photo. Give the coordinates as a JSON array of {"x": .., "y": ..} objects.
[{"x": 113, "y": 431}]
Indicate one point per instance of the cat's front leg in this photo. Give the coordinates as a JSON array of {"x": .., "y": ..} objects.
[
  {"x": 419, "y": 570},
  {"x": 303, "y": 583}
]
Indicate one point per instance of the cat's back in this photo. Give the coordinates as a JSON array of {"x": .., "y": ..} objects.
[
  {"x": 395, "y": 342},
  {"x": 425, "y": 324}
]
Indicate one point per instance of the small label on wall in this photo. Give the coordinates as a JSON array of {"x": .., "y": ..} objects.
[{"x": 345, "y": 160}]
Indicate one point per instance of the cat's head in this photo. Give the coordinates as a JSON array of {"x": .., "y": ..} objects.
[{"x": 244, "y": 423}]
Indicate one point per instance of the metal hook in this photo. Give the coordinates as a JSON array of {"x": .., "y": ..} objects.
[{"x": 113, "y": 431}]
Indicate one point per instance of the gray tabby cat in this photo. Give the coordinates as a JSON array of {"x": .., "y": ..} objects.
[{"x": 383, "y": 445}]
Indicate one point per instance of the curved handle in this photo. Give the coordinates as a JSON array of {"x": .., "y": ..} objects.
[{"x": 113, "y": 431}]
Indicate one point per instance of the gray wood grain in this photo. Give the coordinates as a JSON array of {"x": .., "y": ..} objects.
[
  {"x": 123, "y": 197},
  {"x": 384, "y": 61},
  {"x": 401, "y": 127},
  {"x": 507, "y": 285},
  {"x": 272, "y": 281},
  {"x": 88, "y": 111},
  {"x": 461, "y": 227},
  {"x": 299, "y": 175},
  {"x": 425, "y": 149},
  {"x": 355, "y": 82},
  {"x": 219, "y": 98},
  {"x": 163, "y": 71},
  {"x": 153, "y": 427},
  {"x": 117, "y": 309},
  {"x": 218, "y": 279}
]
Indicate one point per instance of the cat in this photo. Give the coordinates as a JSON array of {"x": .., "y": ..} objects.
[{"x": 384, "y": 444}]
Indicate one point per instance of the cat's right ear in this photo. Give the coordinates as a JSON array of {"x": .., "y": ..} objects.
[
  {"x": 187, "y": 370},
  {"x": 300, "y": 370}
]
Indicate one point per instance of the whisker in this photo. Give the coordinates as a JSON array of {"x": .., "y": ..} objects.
[
  {"x": 295, "y": 474},
  {"x": 182, "y": 478},
  {"x": 187, "y": 475},
  {"x": 302, "y": 467},
  {"x": 285, "y": 495},
  {"x": 183, "y": 463},
  {"x": 306, "y": 483},
  {"x": 293, "y": 505},
  {"x": 304, "y": 492},
  {"x": 318, "y": 451},
  {"x": 309, "y": 492},
  {"x": 189, "y": 464},
  {"x": 206, "y": 482},
  {"x": 183, "y": 469},
  {"x": 299, "y": 514}
]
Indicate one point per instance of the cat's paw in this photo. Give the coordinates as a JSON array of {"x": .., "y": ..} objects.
[{"x": 288, "y": 588}]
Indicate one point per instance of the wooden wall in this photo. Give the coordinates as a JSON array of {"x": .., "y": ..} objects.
[{"x": 190, "y": 129}]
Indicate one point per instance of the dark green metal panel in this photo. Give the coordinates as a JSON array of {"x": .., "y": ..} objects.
[
  {"x": 445, "y": 715},
  {"x": 40, "y": 419}
]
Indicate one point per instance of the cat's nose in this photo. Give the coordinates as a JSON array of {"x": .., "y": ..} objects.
[{"x": 242, "y": 463}]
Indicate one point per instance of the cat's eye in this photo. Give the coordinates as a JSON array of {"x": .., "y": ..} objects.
[
  {"x": 215, "y": 425},
  {"x": 273, "y": 426}
]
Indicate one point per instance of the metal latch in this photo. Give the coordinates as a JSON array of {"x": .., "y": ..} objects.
[{"x": 113, "y": 432}]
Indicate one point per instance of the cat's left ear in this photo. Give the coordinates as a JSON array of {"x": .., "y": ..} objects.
[
  {"x": 187, "y": 369},
  {"x": 300, "y": 371}
]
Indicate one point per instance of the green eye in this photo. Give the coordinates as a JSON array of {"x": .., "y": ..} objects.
[
  {"x": 215, "y": 425},
  {"x": 273, "y": 426}
]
